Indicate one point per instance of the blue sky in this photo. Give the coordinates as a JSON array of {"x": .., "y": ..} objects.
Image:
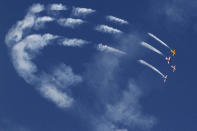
[{"x": 54, "y": 76}]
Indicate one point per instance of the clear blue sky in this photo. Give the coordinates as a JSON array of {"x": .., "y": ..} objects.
[{"x": 109, "y": 92}]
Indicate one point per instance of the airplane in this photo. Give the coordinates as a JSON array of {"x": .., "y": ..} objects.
[
  {"x": 173, "y": 67},
  {"x": 168, "y": 59},
  {"x": 165, "y": 78},
  {"x": 173, "y": 52}
]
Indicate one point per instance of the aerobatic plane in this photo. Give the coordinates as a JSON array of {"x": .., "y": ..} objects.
[
  {"x": 173, "y": 52},
  {"x": 173, "y": 67},
  {"x": 165, "y": 78},
  {"x": 168, "y": 59}
]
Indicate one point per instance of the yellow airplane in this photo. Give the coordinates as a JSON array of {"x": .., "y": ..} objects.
[{"x": 173, "y": 52}]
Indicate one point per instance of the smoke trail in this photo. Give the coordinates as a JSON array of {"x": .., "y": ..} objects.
[
  {"x": 150, "y": 66},
  {"x": 156, "y": 38},
  {"x": 116, "y": 20},
  {"x": 106, "y": 48},
  {"x": 151, "y": 48}
]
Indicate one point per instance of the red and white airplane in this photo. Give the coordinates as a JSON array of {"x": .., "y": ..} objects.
[
  {"x": 173, "y": 67},
  {"x": 165, "y": 78},
  {"x": 168, "y": 59}
]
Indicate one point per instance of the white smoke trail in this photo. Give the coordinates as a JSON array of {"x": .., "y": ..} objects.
[
  {"x": 151, "y": 48},
  {"x": 150, "y": 66},
  {"x": 54, "y": 84},
  {"x": 116, "y": 20},
  {"x": 37, "y": 8},
  {"x": 70, "y": 22},
  {"x": 73, "y": 42},
  {"x": 106, "y": 48},
  {"x": 57, "y": 7},
  {"x": 156, "y": 38},
  {"x": 82, "y": 11},
  {"x": 108, "y": 29}
]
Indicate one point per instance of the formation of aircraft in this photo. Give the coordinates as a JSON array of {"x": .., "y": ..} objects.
[{"x": 169, "y": 59}]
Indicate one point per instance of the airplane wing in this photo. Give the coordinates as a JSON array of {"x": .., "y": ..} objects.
[{"x": 173, "y": 52}]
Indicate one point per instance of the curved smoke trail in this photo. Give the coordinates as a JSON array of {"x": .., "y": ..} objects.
[
  {"x": 25, "y": 44},
  {"x": 151, "y": 48},
  {"x": 156, "y": 38},
  {"x": 150, "y": 66}
]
